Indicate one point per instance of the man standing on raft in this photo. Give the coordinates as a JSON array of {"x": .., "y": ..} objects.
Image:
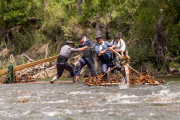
[
  {"x": 103, "y": 50},
  {"x": 63, "y": 58},
  {"x": 87, "y": 58}
]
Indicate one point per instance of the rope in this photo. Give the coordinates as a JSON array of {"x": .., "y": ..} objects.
[
  {"x": 10, "y": 73},
  {"x": 118, "y": 55}
]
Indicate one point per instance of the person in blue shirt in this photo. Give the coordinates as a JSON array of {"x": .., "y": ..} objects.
[
  {"x": 103, "y": 50},
  {"x": 87, "y": 58}
]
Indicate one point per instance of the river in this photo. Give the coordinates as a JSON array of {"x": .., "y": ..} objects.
[{"x": 77, "y": 101}]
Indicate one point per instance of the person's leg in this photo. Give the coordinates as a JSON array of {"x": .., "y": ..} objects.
[
  {"x": 90, "y": 63},
  {"x": 104, "y": 69},
  {"x": 119, "y": 67},
  {"x": 79, "y": 66},
  {"x": 55, "y": 78},
  {"x": 118, "y": 59},
  {"x": 112, "y": 71},
  {"x": 111, "y": 65},
  {"x": 72, "y": 70},
  {"x": 60, "y": 69}
]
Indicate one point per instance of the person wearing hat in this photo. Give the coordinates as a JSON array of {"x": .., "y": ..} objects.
[
  {"x": 63, "y": 57},
  {"x": 119, "y": 43},
  {"x": 120, "y": 46},
  {"x": 103, "y": 50},
  {"x": 87, "y": 58}
]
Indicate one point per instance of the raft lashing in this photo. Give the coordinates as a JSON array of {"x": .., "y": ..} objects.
[
  {"x": 11, "y": 75},
  {"x": 117, "y": 79},
  {"x": 124, "y": 76},
  {"x": 14, "y": 79},
  {"x": 144, "y": 79}
]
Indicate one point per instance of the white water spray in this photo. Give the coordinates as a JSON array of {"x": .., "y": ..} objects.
[{"x": 123, "y": 83}]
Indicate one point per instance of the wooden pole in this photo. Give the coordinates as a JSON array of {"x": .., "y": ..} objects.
[
  {"x": 126, "y": 66},
  {"x": 16, "y": 68}
]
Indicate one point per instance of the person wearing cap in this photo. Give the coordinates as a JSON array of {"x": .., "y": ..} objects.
[
  {"x": 120, "y": 46},
  {"x": 87, "y": 58},
  {"x": 119, "y": 43},
  {"x": 63, "y": 57},
  {"x": 103, "y": 50}
]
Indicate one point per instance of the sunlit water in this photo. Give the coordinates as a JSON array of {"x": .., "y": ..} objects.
[{"x": 80, "y": 102}]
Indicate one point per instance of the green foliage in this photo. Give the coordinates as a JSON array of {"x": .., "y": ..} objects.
[
  {"x": 13, "y": 12},
  {"x": 171, "y": 64},
  {"x": 173, "y": 33},
  {"x": 26, "y": 39},
  {"x": 135, "y": 19}
]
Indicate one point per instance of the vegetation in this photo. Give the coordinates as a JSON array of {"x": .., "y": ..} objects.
[{"x": 31, "y": 22}]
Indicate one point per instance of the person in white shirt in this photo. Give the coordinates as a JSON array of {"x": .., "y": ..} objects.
[
  {"x": 119, "y": 43},
  {"x": 120, "y": 46}
]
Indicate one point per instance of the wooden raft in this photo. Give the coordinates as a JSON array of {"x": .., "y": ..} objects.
[{"x": 45, "y": 82}]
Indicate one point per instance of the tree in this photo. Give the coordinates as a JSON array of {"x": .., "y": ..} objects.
[{"x": 79, "y": 7}]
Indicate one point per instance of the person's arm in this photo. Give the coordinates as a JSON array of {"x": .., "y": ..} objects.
[
  {"x": 113, "y": 47},
  {"x": 73, "y": 50},
  {"x": 91, "y": 44},
  {"x": 83, "y": 48},
  {"x": 110, "y": 46},
  {"x": 103, "y": 51},
  {"x": 118, "y": 50}
]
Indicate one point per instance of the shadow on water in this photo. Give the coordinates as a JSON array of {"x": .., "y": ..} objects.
[{"x": 78, "y": 101}]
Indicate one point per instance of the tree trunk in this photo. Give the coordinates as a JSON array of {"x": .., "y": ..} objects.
[
  {"x": 3, "y": 32},
  {"x": 79, "y": 7},
  {"x": 159, "y": 46},
  {"x": 101, "y": 30}
]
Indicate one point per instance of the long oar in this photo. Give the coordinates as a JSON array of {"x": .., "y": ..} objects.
[
  {"x": 126, "y": 67},
  {"x": 16, "y": 68}
]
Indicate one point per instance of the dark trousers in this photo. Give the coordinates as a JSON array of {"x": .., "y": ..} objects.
[
  {"x": 106, "y": 65},
  {"x": 82, "y": 62},
  {"x": 67, "y": 66}
]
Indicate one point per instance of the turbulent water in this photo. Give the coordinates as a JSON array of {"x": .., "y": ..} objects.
[{"x": 80, "y": 102}]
